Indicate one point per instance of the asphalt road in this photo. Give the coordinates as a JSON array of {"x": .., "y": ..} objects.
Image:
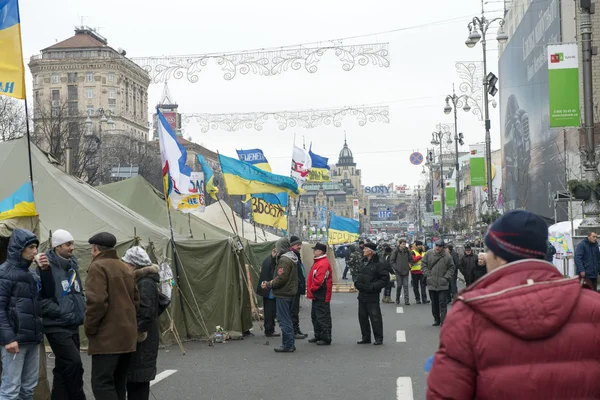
[{"x": 250, "y": 369}]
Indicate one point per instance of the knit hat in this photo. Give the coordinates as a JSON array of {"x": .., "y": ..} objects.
[
  {"x": 295, "y": 240},
  {"x": 60, "y": 236},
  {"x": 137, "y": 256},
  {"x": 103, "y": 239},
  {"x": 518, "y": 235}
]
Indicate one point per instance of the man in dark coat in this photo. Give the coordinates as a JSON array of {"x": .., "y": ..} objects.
[
  {"x": 467, "y": 265},
  {"x": 296, "y": 246},
  {"x": 142, "y": 367},
  {"x": 454, "y": 280},
  {"x": 373, "y": 276},
  {"x": 63, "y": 310},
  {"x": 401, "y": 263},
  {"x": 267, "y": 271},
  {"x": 438, "y": 267},
  {"x": 112, "y": 300},
  {"x": 20, "y": 317},
  {"x": 587, "y": 259}
]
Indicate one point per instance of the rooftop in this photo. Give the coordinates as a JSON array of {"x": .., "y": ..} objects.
[{"x": 85, "y": 38}]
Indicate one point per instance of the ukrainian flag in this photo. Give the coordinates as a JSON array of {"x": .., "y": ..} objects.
[
  {"x": 342, "y": 230},
  {"x": 255, "y": 157},
  {"x": 209, "y": 177},
  {"x": 19, "y": 204},
  {"x": 242, "y": 178},
  {"x": 12, "y": 71},
  {"x": 319, "y": 171}
]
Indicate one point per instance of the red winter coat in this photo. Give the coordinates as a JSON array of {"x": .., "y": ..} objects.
[
  {"x": 319, "y": 283},
  {"x": 520, "y": 332}
]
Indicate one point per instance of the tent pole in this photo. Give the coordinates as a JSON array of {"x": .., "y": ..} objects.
[
  {"x": 29, "y": 145},
  {"x": 174, "y": 250}
]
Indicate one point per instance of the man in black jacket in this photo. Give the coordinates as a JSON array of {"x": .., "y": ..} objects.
[
  {"x": 467, "y": 265},
  {"x": 296, "y": 246},
  {"x": 372, "y": 277},
  {"x": 267, "y": 271},
  {"x": 63, "y": 310},
  {"x": 454, "y": 280}
]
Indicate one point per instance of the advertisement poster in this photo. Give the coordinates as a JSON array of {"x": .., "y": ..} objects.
[
  {"x": 437, "y": 205},
  {"x": 450, "y": 194},
  {"x": 477, "y": 163},
  {"x": 563, "y": 85}
]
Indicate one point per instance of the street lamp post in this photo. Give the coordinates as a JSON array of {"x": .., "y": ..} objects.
[
  {"x": 462, "y": 102},
  {"x": 102, "y": 113},
  {"x": 477, "y": 25},
  {"x": 437, "y": 138}
]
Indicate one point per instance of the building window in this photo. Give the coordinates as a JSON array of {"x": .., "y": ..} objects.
[
  {"x": 55, "y": 78},
  {"x": 89, "y": 77},
  {"x": 36, "y": 80},
  {"x": 73, "y": 108},
  {"x": 72, "y": 77},
  {"x": 89, "y": 93},
  {"x": 112, "y": 105},
  {"x": 55, "y": 97},
  {"x": 111, "y": 77},
  {"x": 72, "y": 92},
  {"x": 112, "y": 93}
]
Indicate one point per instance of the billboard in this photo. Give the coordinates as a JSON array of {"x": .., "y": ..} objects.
[
  {"x": 171, "y": 118},
  {"x": 532, "y": 166},
  {"x": 387, "y": 209}
]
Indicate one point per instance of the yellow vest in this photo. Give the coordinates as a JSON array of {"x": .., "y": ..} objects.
[{"x": 417, "y": 266}]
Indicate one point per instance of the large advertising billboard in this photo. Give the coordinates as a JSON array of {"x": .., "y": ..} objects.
[{"x": 532, "y": 165}]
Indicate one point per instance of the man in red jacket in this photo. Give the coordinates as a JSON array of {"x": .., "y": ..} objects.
[
  {"x": 522, "y": 331},
  {"x": 319, "y": 286}
]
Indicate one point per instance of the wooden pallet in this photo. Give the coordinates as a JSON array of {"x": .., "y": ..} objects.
[{"x": 344, "y": 288}]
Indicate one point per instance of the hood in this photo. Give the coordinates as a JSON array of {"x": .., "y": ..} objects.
[
  {"x": 282, "y": 246},
  {"x": 291, "y": 255},
  {"x": 529, "y": 299},
  {"x": 20, "y": 239},
  {"x": 64, "y": 263},
  {"x": 151, "y": 270}
]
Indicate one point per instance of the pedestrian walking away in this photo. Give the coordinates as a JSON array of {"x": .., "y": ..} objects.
[
  {"x": 285, "y": 287},
  {"x": 296, "y": 247},
  {"x": 587, "y": 259},
  {"x": 373, "y": 276},
  {"x": 401, "y": 263},
  {"x": 454, "y": 279},
  {"x": 418, "y": 280},
  {"x": 112, "y": 300},
  {"x": 63, "y": 310},
  {"x": 142, "y": 366},
  {"x": 20, "y": 317},
  {"x": 438, "y": 267},
  {"x": 319, "y": 288},
  {"x": 269, "y": 306},
  {"x": 467, "y": 264},
  {"x": 522, "y": 319}
]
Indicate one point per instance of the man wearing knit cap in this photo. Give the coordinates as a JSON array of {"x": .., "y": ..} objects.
[
  {"x": 296, "y": 247},
  {"x": 63, "y": 310},
  {"x": 110, "y": 318},
  {"x": 521, "y": 331}
]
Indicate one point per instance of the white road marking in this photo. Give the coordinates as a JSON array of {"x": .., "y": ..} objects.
[
  {"x": 399, "y": 310},
  {"x": 400, "y": 336},
  {"x": 404, "y": 390},
  {"x": 163, "y": 375}
]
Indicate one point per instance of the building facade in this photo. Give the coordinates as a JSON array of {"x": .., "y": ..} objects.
[{"x": 169, "y": 108}]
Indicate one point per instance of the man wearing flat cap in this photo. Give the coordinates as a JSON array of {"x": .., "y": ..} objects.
[
  {"x": 438, "y": 267},
  {"x": 110, "y": 318},
  {"x": 319, "y": 288}
]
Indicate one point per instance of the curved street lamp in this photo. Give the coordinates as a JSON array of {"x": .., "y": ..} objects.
[{"x": 437, "y": 139}]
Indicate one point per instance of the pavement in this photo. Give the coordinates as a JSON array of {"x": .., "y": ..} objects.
[{"x": 250, "y": 369}]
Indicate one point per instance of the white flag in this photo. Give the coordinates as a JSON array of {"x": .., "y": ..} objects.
[{"x": 301, "y": 165}]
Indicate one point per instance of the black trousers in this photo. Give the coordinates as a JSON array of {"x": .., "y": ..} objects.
[
  {"x": 321, "y": 320},
  {"x": 594, "y": 283},
  {"x": 270, "y": 312},
  {"x": 345, "y": 274},
  {"x": 296, "y": 314},
  {"x": 68, "y": 369},
  {"x": 439, "y": 304},
  {"x": 370, "y": 312},
  {"x": 109, "y": 376},
  {"x": 138, "y": 390},
  {"x": 416, "y": 281}
]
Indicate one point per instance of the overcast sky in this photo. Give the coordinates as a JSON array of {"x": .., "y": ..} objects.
[{"x": 421, "y": 73}]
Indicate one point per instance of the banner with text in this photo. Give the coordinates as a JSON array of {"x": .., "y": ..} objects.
[
  {"x": 563, "y": 85},
  {"x": 194, "y": 200},
  {"x": 270, "y": 209},
  {"x": 477, "y": 162},
  {"x": 450, "y": 194},
  {"x": 437, "y": 205}
]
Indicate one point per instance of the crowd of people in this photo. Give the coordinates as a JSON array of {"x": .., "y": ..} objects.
[{"x": 118, "y": 309}]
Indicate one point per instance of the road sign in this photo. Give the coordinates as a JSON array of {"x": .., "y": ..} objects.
[{"x": 416, "y": 158}]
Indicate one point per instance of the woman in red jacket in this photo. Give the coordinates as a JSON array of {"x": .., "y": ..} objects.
[
  {"x": 319, "y": 286},
  {"x": 522, "y": 331}
]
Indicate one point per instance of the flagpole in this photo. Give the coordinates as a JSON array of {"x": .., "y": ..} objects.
[{"x": 29, "y": 144}]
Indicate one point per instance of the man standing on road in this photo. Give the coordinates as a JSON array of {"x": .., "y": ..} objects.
[
  {"x": 267, "y": 271},
  {"x": 373, "y": 276},
  {"x": 110, "y": 318},
  {"x": 438, "y": 267},
  {"x": 296, "y": 246},
  {"x": 467, "y": 265},
  {"x": 319, "y": 289},
  {"x": 417, "y": 277},
  {"x": 285, "y": 287},
  {"x": 400, "y": 261},
  {"x": 63, "y": 310},
  {"x": 516, "y": 333},
  {"x": 587, "y": 259},
  {"x": 454, "y": 279},
  {"x": 20, "y": 317}
]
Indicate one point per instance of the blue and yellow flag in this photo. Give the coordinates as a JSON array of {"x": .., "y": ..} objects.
[
  {"x": 342, "y": 230},
  {"x": 255, "y": 157},
  {"x": 242, "y": 178},
  {"x": 209, "y": 177},
  {"x": 12, "y": 72},
  {"x": 18, "y": 204},
  {"x": 320, "y": 168}
]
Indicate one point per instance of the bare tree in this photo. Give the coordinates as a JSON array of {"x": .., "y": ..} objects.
[{"x": 12, "y": 118}]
